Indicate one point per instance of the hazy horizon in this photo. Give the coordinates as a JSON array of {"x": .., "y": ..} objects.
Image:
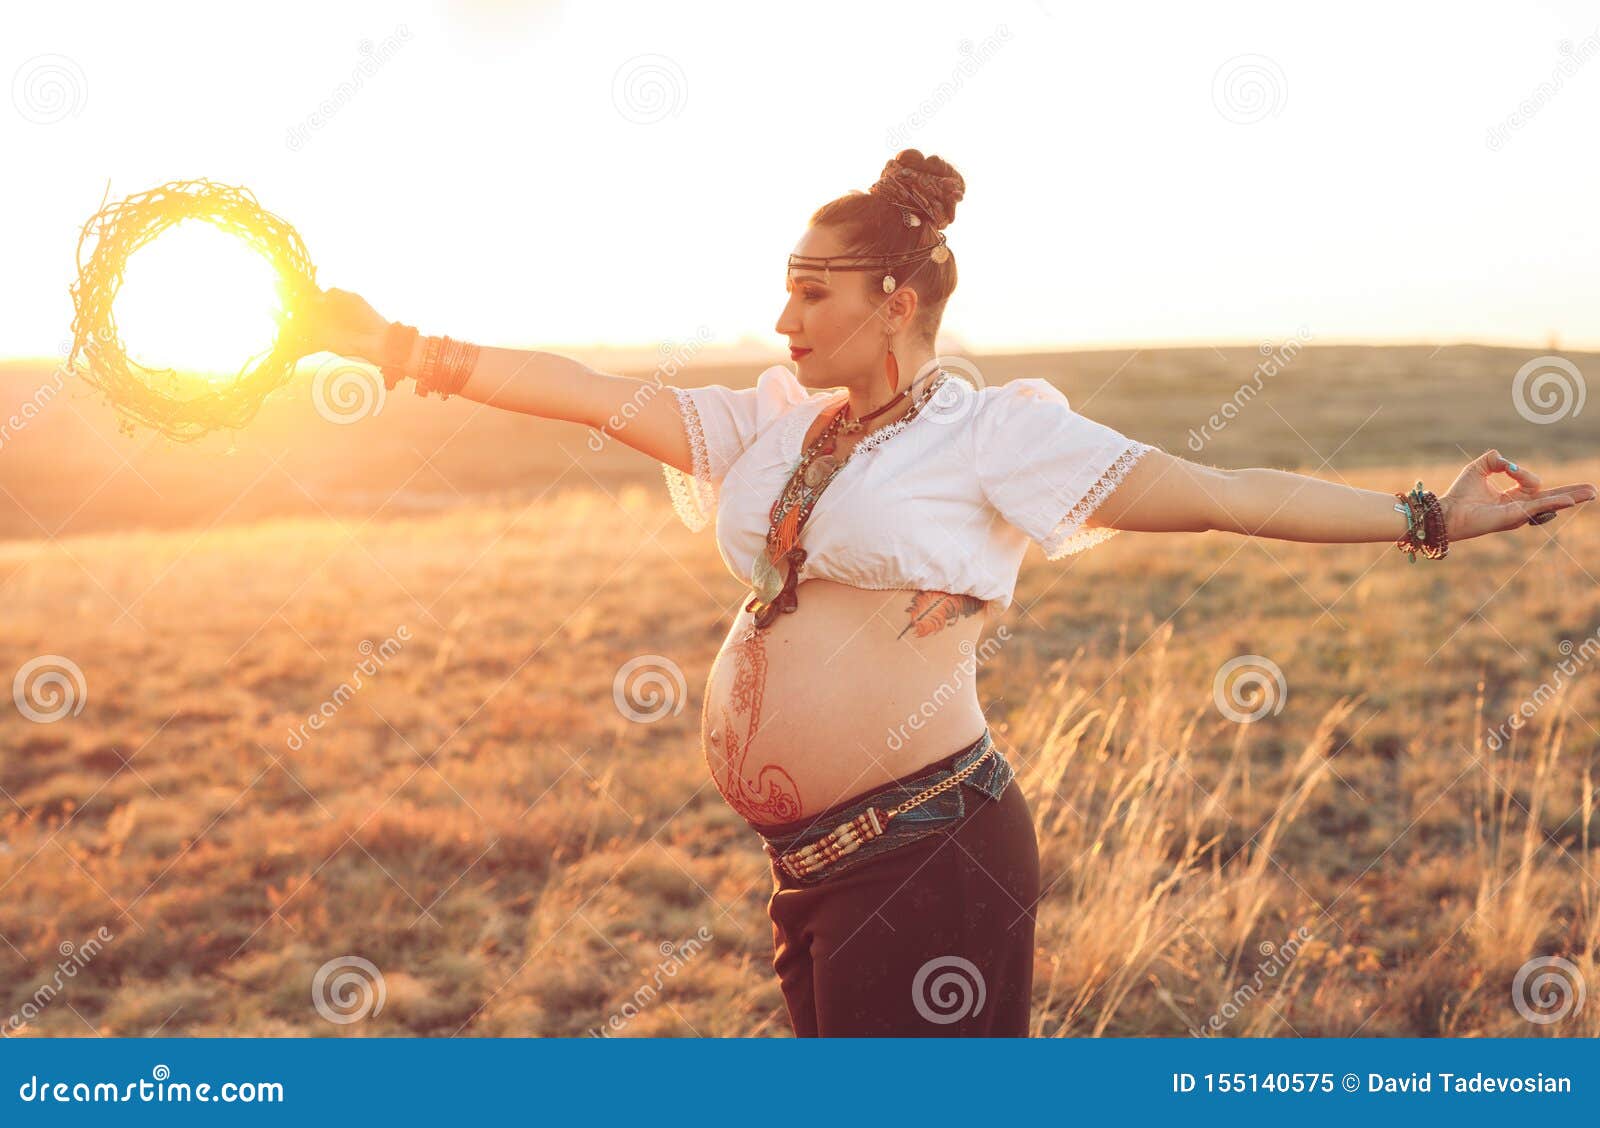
[{"x": 753, "y": 349}]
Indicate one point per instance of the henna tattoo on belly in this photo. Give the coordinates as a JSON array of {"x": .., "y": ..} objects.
[
  {"x": 932, "y": 611},
  {"x": 771, "y": 796}
]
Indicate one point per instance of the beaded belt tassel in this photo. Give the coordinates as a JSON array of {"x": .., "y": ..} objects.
[
  {"x": 850, "y": 836},
  {"x": 846, "y": 838}
]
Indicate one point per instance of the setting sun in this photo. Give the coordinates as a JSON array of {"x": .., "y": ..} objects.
[{"x": 199, "y": 300}]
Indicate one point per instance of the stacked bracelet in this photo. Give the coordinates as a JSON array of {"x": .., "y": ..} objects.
[
  {"x": 430, "y": 358},
  {"x": 446, "y": 364},
  {"x": 1424, "y": 515}
]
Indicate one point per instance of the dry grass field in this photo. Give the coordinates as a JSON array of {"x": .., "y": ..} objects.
[{"x": 482, "y": 821}]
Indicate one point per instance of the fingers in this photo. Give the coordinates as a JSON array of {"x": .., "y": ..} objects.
[
  {"x": 1538, "y": 513},
  {"x": 1492, "y": 462},
  {"x": 1577, "y": 491},
  {"x": 1550, "y": 502}
]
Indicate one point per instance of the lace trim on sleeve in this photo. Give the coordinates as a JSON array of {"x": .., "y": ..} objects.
[
  {"x": 1069, "y": 535},
  {"x": 694, "y": 496}
]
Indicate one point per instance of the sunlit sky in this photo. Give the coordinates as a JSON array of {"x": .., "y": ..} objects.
[{"x": 545, "y": 174}]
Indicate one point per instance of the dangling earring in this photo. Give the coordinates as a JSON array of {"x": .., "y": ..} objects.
[{"x": 891, "y": 371}]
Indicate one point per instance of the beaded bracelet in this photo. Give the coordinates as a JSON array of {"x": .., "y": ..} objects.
[
  {"x": 1416, "y": 530},
  {"x": 1402, "y": 506},
  {"x": 446, "y": 364},
  {"x": 430, "y": 357},
  {"x": 1434, "y": 520},
  {"x": 1422, "y": 509}
]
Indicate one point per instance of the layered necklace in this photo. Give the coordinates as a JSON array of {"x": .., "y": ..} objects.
[{"x": 776, "y": 572}]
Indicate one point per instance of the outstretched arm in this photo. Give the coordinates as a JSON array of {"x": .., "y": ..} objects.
[
  {"x": 1163, "y": 493},
  {"x": 641, "y": 414}
]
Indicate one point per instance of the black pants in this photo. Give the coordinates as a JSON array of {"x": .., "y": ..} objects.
[{"x": 933, "y": 938}]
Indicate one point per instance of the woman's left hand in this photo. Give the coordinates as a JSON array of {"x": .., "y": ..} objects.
[{"x": 1473, "y": 507}]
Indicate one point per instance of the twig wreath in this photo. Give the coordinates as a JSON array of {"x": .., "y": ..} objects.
[{"x": 181, "y": 406}]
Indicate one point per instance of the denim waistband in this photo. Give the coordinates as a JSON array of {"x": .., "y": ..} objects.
[{"x": 934, "y": 814}]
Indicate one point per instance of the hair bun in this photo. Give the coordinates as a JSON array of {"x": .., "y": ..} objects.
[{"x": 925, "y": 184}]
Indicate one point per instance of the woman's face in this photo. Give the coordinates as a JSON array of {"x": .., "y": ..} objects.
[{"x": 839, "y": 321}]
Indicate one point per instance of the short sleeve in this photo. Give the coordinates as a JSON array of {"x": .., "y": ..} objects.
[
  {"x": 1045, "y": 468},
  {"x": 720, "y": 423}
]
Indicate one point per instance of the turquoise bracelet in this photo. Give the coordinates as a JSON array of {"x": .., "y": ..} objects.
[{"x": 1415, "y": 495}]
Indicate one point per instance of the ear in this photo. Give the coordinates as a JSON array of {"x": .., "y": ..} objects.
[{"x": 898, "y": 309}]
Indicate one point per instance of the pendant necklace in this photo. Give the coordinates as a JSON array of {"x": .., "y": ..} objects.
[{"x": 776, "y": 572}]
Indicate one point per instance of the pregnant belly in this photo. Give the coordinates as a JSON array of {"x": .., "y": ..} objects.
[{"x": 851, "y": 690}]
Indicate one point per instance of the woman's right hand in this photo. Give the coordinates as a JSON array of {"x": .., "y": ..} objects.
[{"x": 341, "y": 322}]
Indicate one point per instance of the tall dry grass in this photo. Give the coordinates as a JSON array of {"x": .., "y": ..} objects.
[
  {"x": 516, "y": 856},
  {"x": 1140, "y": 895}
]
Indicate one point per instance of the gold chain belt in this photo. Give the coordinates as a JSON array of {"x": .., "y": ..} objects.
[{"x": 851, "y": 835}]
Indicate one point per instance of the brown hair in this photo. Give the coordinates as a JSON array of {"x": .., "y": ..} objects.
[{"x": 872, "y": 224}]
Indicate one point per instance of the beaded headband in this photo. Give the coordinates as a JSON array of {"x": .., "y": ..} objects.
[
  {"x": 938, "y": 252},
  {"x": 891, "y": 182}
]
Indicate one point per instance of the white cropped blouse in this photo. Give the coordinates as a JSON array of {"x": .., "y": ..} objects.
[{"x": 947, "y": 502}]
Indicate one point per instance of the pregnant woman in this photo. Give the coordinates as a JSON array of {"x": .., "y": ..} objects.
[{"x": 878, "y": 506}]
